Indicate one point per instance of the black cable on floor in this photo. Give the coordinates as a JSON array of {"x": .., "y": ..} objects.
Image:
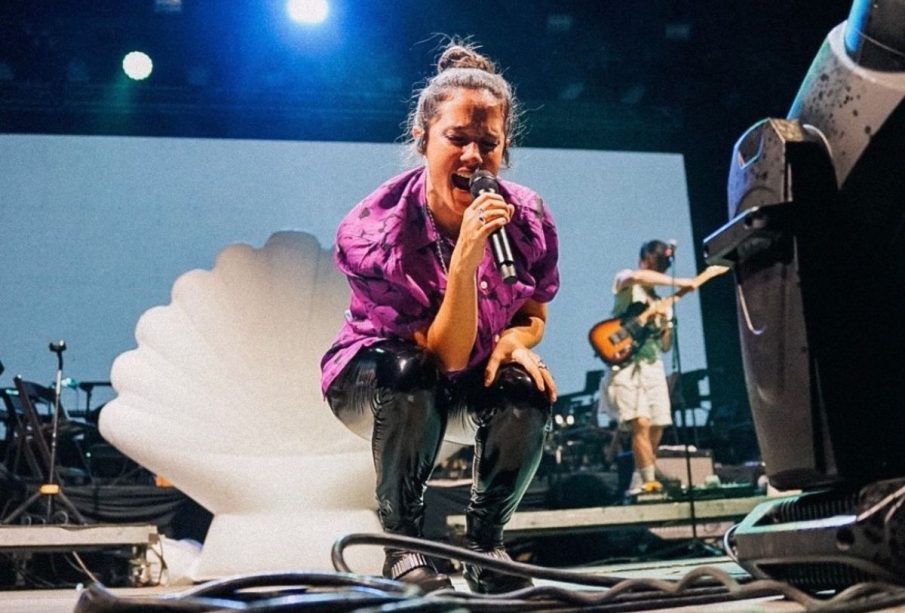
[
  {"x": 267, "y": 592},
  {"x": 703, "y": 582},
  {"x": 344, "y": 592}
]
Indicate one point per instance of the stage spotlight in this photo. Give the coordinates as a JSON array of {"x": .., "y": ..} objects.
[
  {"x": 168, "y": 6},
  {"x": 137, "y": 65},
  {"x": 308, "y": 11}
]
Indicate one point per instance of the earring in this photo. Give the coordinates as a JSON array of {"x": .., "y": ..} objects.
[{"x": 420, "y": 144}]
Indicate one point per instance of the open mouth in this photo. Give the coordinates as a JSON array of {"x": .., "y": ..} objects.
[{"x": 460, "y": 181}]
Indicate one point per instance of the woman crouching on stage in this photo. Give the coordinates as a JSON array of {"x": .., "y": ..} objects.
[{"x": 435, "y": 344}]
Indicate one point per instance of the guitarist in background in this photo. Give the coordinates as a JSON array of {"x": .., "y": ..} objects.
[{"x": 636, "y": 391}]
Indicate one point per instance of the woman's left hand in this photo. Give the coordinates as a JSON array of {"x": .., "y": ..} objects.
[{"x": 508, "y": 351}]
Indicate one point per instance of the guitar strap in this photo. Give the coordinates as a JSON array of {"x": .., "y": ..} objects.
[
  {"x": 646, "y": 295},
  {"x": 636, "y": 294}
]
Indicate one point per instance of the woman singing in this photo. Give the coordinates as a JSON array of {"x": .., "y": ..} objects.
[{"x": 435, "y": 344}]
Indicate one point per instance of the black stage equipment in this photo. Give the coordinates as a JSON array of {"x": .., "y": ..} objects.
[
  {"x": 52, "y": 487},
  {"x": 817, "y": 240}
]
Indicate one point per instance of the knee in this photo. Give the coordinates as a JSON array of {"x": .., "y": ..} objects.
[
  {"x": 394, "y": 382},
  {"x": 404, "y": 367},
  {"x": 515, "y": 387},
  {"x": 641, "y": 426},
  {"x": 515, "y": 383}
]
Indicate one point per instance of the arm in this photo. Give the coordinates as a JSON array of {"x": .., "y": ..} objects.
[
  {"x": 644, "y": 276},
  {"x": 452, "y": 334},
  {"x": 666, "y": 337},
  {"x": 516, "y": 343}
]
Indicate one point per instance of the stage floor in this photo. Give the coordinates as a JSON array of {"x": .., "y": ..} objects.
[
  {"x": 64, "y": 600},
  {"x": 555, "y": 526}
]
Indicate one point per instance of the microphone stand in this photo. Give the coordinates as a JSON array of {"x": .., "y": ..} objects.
[
  {"x": 677, "y": 370},
  {"x": 58, "y": 349},
  {"x": 51, "y": 488}
]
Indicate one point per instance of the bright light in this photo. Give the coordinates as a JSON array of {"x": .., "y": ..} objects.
[
  {"x": 308, "y": 11},
  {"x": 137, "y": 65}
]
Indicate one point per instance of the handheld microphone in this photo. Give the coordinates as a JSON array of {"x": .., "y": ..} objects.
[
  {"x": 480, "y": 182},
  {"x": 58, "y": 346}
]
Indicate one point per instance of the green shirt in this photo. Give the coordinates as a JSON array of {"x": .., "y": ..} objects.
[{"x": 652, "y": 347}]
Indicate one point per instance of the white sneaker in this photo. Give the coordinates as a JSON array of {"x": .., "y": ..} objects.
[{"x": 635, "y": 485}]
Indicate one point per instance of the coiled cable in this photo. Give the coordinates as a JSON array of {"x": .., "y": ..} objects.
[{"x": 346, "y": 592}]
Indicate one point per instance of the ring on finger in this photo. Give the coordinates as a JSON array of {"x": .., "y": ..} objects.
[
  {"x": 482, "y": 219},
  {"x": 540, "y": 364}
]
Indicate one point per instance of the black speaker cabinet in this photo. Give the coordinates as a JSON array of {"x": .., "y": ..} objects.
[{"x": 820, "y": 274}]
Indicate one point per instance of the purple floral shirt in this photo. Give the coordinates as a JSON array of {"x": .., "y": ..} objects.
[{"x": 387, "y": 248}]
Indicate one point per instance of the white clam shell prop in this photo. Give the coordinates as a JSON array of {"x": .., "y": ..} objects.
[{"x": 222, "y": 397}]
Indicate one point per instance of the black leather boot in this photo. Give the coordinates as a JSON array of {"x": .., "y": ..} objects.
[
  {"x": 508, "y": 448},
  {"x": 408, "y": 430},
  {"x": 415, "y": 568},
  {"x": 486, "y": 581}
]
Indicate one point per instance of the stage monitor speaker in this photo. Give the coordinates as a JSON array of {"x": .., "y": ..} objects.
[
  {"x": 674, "y": 466},
  {"x": 817, "y": 237},
  {"x": 821, "y": 280}
]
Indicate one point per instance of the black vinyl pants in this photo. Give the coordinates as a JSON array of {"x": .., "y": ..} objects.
[{"x": 394, "y": 395}]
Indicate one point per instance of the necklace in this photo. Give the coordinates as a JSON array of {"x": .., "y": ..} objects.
[{"x": 439, "y": 240}]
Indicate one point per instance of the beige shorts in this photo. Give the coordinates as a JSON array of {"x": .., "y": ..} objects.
[{"x": 638, "y": 390}]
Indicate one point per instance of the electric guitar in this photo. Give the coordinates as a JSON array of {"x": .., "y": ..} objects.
[{"x": 617, "y": 339}]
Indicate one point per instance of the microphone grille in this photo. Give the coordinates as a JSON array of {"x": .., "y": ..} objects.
[{"x": 483, "y": 181}]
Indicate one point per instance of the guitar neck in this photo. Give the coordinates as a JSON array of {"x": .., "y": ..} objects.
[
  {"x": 703, "y": 277},
  {"x": 678, "y": 294}
]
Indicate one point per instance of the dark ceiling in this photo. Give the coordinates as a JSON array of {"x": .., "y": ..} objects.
[{"x": 593, "y": 74}]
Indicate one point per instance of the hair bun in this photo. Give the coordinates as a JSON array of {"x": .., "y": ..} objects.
[{"x": 463, "y": 56}]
